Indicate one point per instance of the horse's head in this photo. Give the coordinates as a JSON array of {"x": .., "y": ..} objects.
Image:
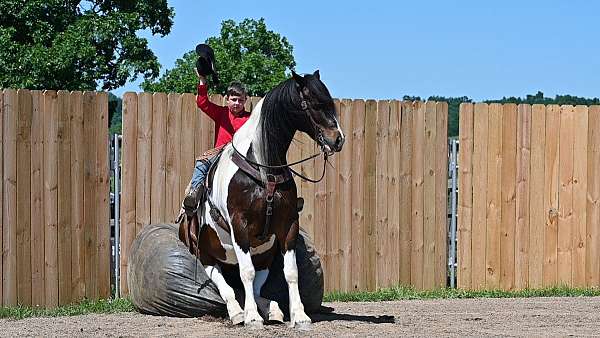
[{"x": 320, "y": 121}]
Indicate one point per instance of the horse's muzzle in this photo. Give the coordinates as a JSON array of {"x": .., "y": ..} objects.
[{"x": 333, "y": 143}]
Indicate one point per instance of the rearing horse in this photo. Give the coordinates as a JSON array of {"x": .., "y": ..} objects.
[{"x": 251, "y": 210}]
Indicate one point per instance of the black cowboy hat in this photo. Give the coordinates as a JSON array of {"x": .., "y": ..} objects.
[{"x": 206, "y": 61}]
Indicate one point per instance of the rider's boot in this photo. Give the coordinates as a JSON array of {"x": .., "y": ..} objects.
[{"x": 191, "y": 201}]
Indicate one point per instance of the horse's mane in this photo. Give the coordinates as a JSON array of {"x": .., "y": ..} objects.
[{"x": 281, "y": 116}]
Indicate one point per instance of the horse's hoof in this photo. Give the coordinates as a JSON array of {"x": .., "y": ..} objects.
[
  {"x": 238, "y": 318},
  {"x": 303, "y": 326},
  {"x": 275, "y": 314},
  {"x": 254, "y": 324}
]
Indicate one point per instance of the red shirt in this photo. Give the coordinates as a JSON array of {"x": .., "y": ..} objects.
[{"x": 226, "y": 124}]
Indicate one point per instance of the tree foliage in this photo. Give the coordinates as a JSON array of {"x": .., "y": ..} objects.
[
  {"x": 246, "y": 52},
  {"x": 78, "y": 45}
]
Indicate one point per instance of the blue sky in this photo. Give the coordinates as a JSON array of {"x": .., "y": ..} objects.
[{"x": 388, "y": 49}]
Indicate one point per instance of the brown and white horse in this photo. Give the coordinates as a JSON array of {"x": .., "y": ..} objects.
[{"x": 251, "y": 210}]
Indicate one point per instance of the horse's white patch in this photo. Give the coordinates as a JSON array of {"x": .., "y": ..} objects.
[{"x": 220, "y": 188}]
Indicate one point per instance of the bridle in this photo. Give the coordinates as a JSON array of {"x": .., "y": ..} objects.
[{"x": 320, "y": 140}]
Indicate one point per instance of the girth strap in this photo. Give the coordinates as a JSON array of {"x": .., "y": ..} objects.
[{"x": 270, "y": 185}]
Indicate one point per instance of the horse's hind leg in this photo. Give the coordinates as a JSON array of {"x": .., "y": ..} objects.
[{"x": 236, "y": 314}]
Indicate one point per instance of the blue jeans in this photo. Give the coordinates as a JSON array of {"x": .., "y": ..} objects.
[{"x": 200, "y": 171}]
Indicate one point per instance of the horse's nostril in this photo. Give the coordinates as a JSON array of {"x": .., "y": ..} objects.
[{"x": 339, "y": 141}]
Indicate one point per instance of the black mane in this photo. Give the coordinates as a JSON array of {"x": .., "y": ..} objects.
[{"x": 281, "y": 116}]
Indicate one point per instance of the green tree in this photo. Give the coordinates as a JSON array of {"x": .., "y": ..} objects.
[
  {"x": 78, "y": 45},
  {"x": 246, "y": 52}
]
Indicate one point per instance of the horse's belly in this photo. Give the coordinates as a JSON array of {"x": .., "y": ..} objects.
[{"x": 231, "y": 257}]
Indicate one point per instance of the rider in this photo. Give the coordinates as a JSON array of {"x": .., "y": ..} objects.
[{"x": 227, "y": 121}]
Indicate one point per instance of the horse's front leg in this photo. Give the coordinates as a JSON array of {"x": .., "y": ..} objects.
[
  {"x": 247, "y": 273},
  {"x": 233, "y": 307},
  {"x": 290, "y": 271}
]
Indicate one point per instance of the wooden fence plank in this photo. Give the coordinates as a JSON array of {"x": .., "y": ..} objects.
[
  {"x": 394, "y": 194},
  {"x": 36, "y": 202},
  {"x": 358, "y": 207},
  {"x": 494, "y": 196},
  {"x": 416, "y": 272},
  {"x": 345, "y": 197},
  {"x": 51, "y": 107},
  {"x": 333, "y": 220},
  {"x": 592, "y": 261},
  {"x": 129, "y": 175},
  {"x": 308, "y": 190},
  {"x": 522, "y": 198},
  {"x": 102, "y": 195},
  {"x": 465, "y": 198},
  {"x": 89, "y": 195},
  {"x": 536, "y": 196},
  {"x": 508, "y": 191},
  {"x": 23, "y": 185},
  {"x": 144, "y": 161},
  {"x": 370, "y": 196},
  {"x": 565, "y": 195},
  {"x": 2, "y": 114},
  {"x": 320, "y": 220},
  {"x": 188, "y": 118},
  {"x": 441, "y": 195},
  {"x": 429, "y": 180},
  {"x": 64, "y": 228},
  {"x": 580, "y": 186},
  {"x": 381, "y": 194},
  {"x": 551, "y": 187},
  {"x": 9, "y": 229},
  {"x": 479, "y": 188},
  {"x": 77, "y": 197},
  {"x": 159, "y": 143},
  {"x": 173, "y": 157},
  {"x": 406, "y": 192}
]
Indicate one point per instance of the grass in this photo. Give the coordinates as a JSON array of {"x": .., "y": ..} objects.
[
  {"x": 403, "y": 293},
  {"x": 395, "y": 293},
  {"x": 85, "y": 307}
]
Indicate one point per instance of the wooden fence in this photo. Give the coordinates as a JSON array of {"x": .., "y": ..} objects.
[
  {"x": 529, "y": 196},
  {"x": 54, "y": 197},
  {"x": 377, "y": 219}
]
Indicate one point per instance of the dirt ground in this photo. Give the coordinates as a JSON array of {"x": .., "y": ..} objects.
[{"x": 467, "y": 317}]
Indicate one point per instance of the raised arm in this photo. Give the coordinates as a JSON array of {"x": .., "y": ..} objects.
[{"x": 212, "y": 110}]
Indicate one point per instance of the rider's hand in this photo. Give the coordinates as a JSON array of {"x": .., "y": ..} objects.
[{"x": 201, "y": 78}]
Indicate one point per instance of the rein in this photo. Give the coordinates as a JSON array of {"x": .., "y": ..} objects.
[{"x": 287, "y": 166}]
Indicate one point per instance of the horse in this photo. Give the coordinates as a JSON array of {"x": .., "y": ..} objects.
[{"x": 250, "y": 213}]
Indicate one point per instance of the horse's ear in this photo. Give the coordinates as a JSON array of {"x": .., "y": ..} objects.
[
  {"x": 316, "y": 74},
  {"x": 299, "y": 79}
]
